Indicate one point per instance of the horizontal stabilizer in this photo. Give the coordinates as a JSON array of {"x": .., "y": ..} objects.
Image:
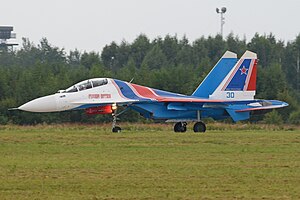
[
  {"x": 265, "y": 105},
  {"x": 242, "y": 112}
]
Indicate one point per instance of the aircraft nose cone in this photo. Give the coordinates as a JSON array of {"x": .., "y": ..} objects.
[{"x": 43, "y": 104}]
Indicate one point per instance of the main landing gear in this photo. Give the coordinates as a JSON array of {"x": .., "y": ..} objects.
[
  {"x": 198, "y": 127},
  {"x": 180, "y": 127}
]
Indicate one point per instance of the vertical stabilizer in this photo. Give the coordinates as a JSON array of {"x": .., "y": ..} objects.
[
  {"x": 240, "y": 82},
  {"x": 216, "y": 75}
]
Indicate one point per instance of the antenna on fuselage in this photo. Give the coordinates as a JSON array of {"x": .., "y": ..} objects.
[{"x": 131, "y": 80}]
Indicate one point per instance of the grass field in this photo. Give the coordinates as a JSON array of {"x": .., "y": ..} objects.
[{"x": 152, "y": 162}]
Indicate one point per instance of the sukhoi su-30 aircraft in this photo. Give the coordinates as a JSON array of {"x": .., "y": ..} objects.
[{"x": 227, "y": 92}]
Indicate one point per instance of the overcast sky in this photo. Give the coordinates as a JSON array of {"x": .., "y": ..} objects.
[{"x": 91, "y": 24}]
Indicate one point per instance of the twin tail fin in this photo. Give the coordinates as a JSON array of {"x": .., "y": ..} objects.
[{"x": 231, "y": 79}]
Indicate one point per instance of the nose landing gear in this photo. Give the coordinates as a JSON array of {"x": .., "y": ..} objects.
[
  {"x": 115, "y": 128},
  {"x": 114, "y": 114}
]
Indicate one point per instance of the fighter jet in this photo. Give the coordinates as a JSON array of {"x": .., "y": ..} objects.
[{"x": 227, "y": 92}]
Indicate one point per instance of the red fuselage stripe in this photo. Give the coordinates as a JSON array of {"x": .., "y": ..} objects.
[
  {"x": 145, "y": 92},
  {"x": 149, "y": 93}
]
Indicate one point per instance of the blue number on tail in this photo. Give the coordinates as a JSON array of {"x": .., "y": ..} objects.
[{"x": 230, "y": 95}]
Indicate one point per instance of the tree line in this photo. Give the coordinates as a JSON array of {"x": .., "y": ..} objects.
[{"x": 169, "y": 63}]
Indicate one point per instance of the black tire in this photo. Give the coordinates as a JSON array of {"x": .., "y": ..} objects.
[
  {"x": 116, "y": 129},
  {"x": 177, "y": 127},
  {"x": 183, "y": 128},
  {"x": 199, "y": 127},
  {"x": 180, "y": 127}
]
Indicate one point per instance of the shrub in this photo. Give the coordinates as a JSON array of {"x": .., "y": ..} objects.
[
  {"x": 273, "y": 118},
  {"x": 295, "y": 117}
]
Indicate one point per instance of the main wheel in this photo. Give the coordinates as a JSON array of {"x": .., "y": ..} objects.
[
  {"x": 180, "y": 127},
  {"x": 199, "y": 127},
  {"x": 116, "y": 129},
  {"x": 177, "y": 127}
]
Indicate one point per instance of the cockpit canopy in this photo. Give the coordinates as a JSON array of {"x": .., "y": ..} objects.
[{"x": 87, "y": 84}]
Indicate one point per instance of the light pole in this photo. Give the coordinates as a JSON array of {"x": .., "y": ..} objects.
[
  {"x": 221, "y": 12},
  {"x": 112, "y": 63}
]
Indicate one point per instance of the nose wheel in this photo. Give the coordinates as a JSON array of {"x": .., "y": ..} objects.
[{"x": 116, "y": 129}]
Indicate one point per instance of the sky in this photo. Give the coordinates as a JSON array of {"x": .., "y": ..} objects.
[{"x": 91, "y": 24}]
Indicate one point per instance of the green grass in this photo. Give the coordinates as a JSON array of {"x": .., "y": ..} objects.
[{"x": 90, "y": 162}]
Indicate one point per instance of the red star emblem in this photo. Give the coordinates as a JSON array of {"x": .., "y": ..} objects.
[{"x": 244, "y": 70}]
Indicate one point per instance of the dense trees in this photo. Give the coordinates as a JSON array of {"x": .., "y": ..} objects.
[{"x": 168, "y": 63}]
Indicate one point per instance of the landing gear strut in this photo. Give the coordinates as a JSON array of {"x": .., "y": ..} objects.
[
  {"x": 199, "y": 126},
  {"x": 180, "y": 127},
  {"x": 114, "y": 114},
  {"x": 115, "y": 128}
]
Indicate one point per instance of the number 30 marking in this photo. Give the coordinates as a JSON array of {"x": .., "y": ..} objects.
[{"x": 230, "y": 95}]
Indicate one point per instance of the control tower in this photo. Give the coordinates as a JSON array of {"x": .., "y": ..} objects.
[{"x": 5, "y": 35}]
